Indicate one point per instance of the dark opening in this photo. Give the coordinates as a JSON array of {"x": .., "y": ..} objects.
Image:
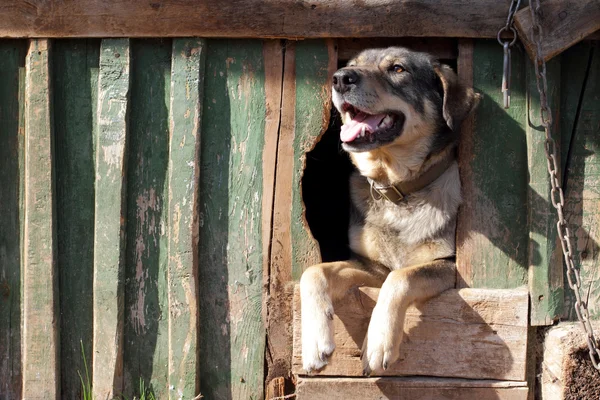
[{"x": 326, "y": 193}]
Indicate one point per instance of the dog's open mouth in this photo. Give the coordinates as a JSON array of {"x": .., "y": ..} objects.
[{"x": 364, "y": 131}]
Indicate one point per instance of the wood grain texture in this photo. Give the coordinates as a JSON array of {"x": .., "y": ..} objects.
[
  {"x": 493, "y": 238},
  {"x": 564, "y": 23},
  {"x": 232, "y": 334},
  {"x": 146, "y": 330},
  {"x": 110, "y": 218},
  {"x": 545, "y": 258},
  {"x": 12, "y": 91},
  {"x": 185, "y": 116},
  {"x": 75, "y": 94},
  {"x": 41, "y": 371},
  {"x": 413, "y": 388},
  {"x": 467, "y": 333},
  {"x": 255, "y": 18},
  {"x": 276, "y": 299},
  {"x": 582, "y": 203}
]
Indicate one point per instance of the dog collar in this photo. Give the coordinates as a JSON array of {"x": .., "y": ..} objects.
[{"x": 396, "y": 193}]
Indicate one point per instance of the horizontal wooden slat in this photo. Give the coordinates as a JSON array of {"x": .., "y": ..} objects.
[
  {"x": 409, "y": 388},
  {"x": 251, "y": 18},
  {"x": 467, "y": 333}
]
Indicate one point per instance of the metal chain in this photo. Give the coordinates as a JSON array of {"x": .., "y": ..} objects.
[{"x": 557, "y": 195}]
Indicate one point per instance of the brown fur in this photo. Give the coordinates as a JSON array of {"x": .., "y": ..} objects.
[{"x": 405, "y": 248}]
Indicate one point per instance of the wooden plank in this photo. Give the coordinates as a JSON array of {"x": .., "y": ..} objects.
[
  {"x": 315, "y": 63},
  {"x": 545, "y": 258},
  {"x": 564, "y": 23},
  {"x": 409, "y": 388},
  {"x": 305, "y": 109},
  {"x": 442, "y": 48},
  {"x": 75, "y": 83},
  {"x": 41, "y": 373},
  {"x": 12, "y": 88},
  {"x": 464, "y": 69},
  {"x": 493, "y": 238},
  {"x": 255, "y": 18},
  {"x": 146, "y": 338},
  {"x": 185, "y": 116},
  {"x": 232, "y": 334},
  {"x": 483, "y": 332},
  {"x": 583, "y": 188},
  {"x": 109, "y": 218},
  {"x": 278, "y": 354}
]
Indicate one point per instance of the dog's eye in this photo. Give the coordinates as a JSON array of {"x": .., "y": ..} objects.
[{"x": 397, "y": 68}]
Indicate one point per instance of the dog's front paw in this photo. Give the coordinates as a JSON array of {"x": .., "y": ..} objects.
[
  {"x": 381, "y": 347},
  {"x": 317, "y": 335}
]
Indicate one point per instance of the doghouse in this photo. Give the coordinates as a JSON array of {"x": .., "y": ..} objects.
[{"x": 168, "y": 169}]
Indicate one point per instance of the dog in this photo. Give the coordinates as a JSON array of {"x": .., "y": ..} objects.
[{"x": 401, "y": 112}]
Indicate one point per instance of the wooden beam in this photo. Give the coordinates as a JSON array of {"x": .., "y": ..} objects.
[
  {"x": 110, "y": 216},
  {"x": 564, "y": 23},
  {"x": 482, "y": 331},
  {"x": 545, "y": 277},
  {"x": 254, "y": 18},
  {"x": 185, "y": 116},
  {"x": 12, "y": 153},
  {"x": 41, "y": 373},
  {"x": 442, "y": 48},
  {"x": 413, "y": 388}
]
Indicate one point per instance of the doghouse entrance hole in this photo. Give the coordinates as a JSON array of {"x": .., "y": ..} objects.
[{"x": 325, "y": 193}]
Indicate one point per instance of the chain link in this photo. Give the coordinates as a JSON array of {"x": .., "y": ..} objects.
[{"x": 557, "y": 195}]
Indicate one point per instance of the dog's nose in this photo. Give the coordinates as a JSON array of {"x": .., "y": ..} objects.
[{"x": 344, "y": 79}]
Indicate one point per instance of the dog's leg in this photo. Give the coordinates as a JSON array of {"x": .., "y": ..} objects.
[
  {"x": 320, "y": 286},
  {"x": 402, "y": 287}
]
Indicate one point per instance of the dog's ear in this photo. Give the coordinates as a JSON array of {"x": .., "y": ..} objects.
[{"x": 459, "y": 100}]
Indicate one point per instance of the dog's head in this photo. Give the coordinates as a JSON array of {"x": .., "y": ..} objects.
[{"x": 396, "y": 96}]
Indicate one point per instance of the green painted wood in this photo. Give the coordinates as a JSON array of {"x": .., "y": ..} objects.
[
  {"x": 40, "y": 283},
  {"x": 109, "y": 218},
  {"x": 582, "y": 208},
  {"x": 545, "y": 259},
  {"x": 75, "y": 93},
  {"x": 146, "y": 301},
  {"x": 232, "y": 336},
  {"x": 495, "y": 246},
  {"x": 187, "y": 87},
  {"x": 12, "y": 87},
  {"x": 315, "y": 64}
]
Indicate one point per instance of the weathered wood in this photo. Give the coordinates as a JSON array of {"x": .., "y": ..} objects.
[
  {"x": 12, "y": 88},
  {"x": 564, "y": 23},
  {"x": 482, "y": 331},
  {"x": 305, "y": 109},
  {"x": 315, "y": 63},
  {"x": 409, "y": 388},
  {"x": 276, "y": 302},
  {"x": 75, "y": 89},
  {"x": 464, "y": 69},
  {"x": 255, "y": 18},
  {"x": 493, "y": 238},
  {"x": 187, "y": 86},
  {"x": 275, "y": 389},
  {"x": 545, "y": 258},
  {"x": 567, "y": 372},
  {"x": 41, "y": 372},
  {"x": 444, "y": 49},
  {"x": 146, "y": 326},
  {"x": 232, "y": 334},
  {"x": 109, "y": 218},
  {"x": 582, "y": 208}
]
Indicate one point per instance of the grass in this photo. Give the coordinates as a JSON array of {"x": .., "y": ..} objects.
[{"x": 86, "y": 385}]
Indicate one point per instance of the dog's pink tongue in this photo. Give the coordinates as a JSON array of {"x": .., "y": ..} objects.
[{"x": 352, "y": 129}]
